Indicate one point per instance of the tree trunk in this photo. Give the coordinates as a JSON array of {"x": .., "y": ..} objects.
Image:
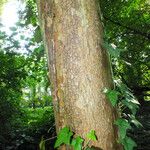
[{"x": 79, "y": 68}]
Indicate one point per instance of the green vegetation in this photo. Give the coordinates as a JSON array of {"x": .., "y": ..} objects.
[
  {"x": 127, "y": 106},
  {"x": 65, "y": 137},
  {"x": 127, "y": 26},
  {"x": 26, "y": 111},
  {"x": 127, "y": 36}
]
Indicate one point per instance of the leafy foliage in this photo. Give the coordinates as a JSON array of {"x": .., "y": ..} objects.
[
  {"x": 25, "y": 101},
  {"x": 127, "y": 31},
  {"x": 65, "y": 136},
  {"x": 127, "y": 106},
  {"x": 127, "y": 36},
  {"x": 77, "y": 143},
  {"x": 11, "y": 75},
  {"x": 112, "y": 96},
  {"x": 129, "y": 144},
  {"x": 123, "y": 125},
  {"x": 91, "y": 135}
]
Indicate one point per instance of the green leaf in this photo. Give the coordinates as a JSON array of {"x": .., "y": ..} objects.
[
  {"x": 89, "y": 148},
  {"x": 122, "y": 87},
  {"x": 132, "y": 106},
  {"x": 37, "y": 35},
  {"x": 22, "y": 37},
  {"x": 114, "y": 52},
  {"x": 13, "y": 28},
  {"x": 77, "y": 143},
  {"x": 134, "y": 101},
  {"x": 128, "y": 143},
  {"x": 91, "y": 135},
  {"x": 42, "y": 144},
  {"x": 135, "y": 121},
  {"x": 63, "y": 137},
  {"x": 112, "y": 96},
  {"x": 123, "y": 125}
]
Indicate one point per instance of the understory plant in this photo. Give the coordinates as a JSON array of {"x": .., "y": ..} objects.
[
  {"x": 122, "y": 98},
  {"x": 67, "y": 137}
]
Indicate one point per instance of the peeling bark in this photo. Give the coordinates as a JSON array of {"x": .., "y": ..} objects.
[{"x": 79, "y": 68}]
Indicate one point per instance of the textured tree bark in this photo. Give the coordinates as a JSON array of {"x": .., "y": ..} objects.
[{"x": 79, "y": 68}]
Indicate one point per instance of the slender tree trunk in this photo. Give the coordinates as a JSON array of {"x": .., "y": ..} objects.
[{"x": 79, "y": 68}]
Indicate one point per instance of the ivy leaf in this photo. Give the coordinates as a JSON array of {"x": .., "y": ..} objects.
[
  {"x": 89, "y": 148},
  {"x": 112, "y": 96},
  {"x": 114, "y": 52},
  {"x": 133, "y": 107},
  {"x": 91, "y": 135},
  {"x": 128, "y": 143},
  {"x": 63, "y": 137},
  {"x": 42, "y": 144},
  {"x": 134, "y": 101},
  {"x": 135, "y": 121},
  {"x": 123, "y": 125},
  {"x": 77, "y": 143}
]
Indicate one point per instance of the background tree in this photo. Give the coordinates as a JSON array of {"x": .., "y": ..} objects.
[{"x": 11, "y": 74}]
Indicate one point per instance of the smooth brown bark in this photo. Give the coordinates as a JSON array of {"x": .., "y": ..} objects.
[{"x": 79, "y": 68}]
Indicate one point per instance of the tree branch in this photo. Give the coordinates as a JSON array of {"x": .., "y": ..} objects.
[{"x": 146, "y": 35}]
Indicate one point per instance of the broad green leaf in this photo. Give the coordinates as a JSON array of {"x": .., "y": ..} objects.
[
  {"x": 42, "y": 144},
  {"x": 91, "y": 135},
  {"x": 123, "y": 125},
  {"x": 128, "y": 143},
  {"x": 63, "y": 137},
  {"x": 112, "y": 96},
  {"x": 77, "y": 143}
]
